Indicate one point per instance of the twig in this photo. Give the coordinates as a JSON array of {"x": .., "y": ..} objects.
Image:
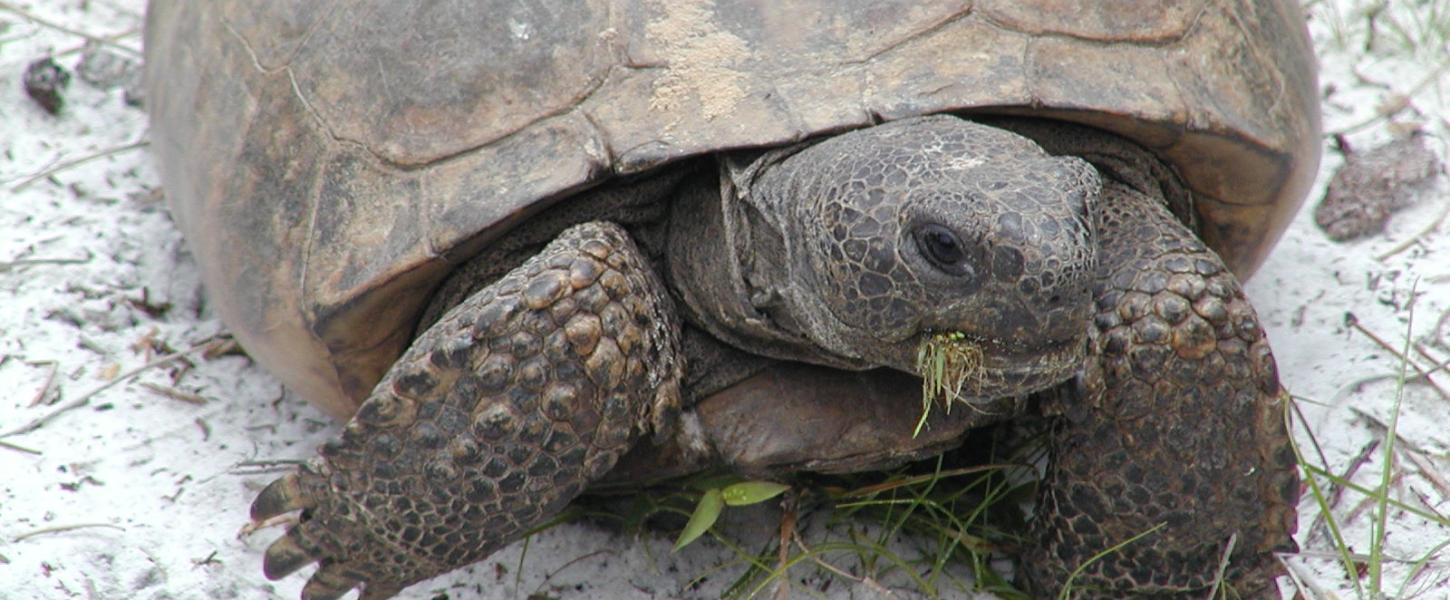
[
  {"x": 1412, "y": 240},
  {"x": 1370, "y": 501},
  {"x": 1379, "y": 426},
  {"x": 1228, "y": 551},
  {"x": 1301, "y": 582},
  {"x": 1401, "y": 103},
  {"x": 30, "y": 262},
  {"x": 18, "y": 448},
  {"x": 175, "y": 394},
  {"x": 109, "y": 40},
  {"x": 1428, "y": 470},
  {"x": 1439, "y": 331},
  {"x": 1409, "y": 449},
  {"x": 1361, "y": 557},
  {"x": 870, "y": 583},
  {"x": 49, "y": 381},
  {"x": 226, "y": 345},
  {"x": 267, "y": 464},
  {"x": 62, "y": 529},
  {"x": 24, "y": 14},
  {"x": 1440, "y": 365},
  {"x": 141, "y": 143},
  {"x": 1320, "y": 522},
  {"x": 260, "y": 467},
  {"x": 1353, "y": 321},
  {"x": 83, "y": 399},
  {"x": 787, "y": 530}
]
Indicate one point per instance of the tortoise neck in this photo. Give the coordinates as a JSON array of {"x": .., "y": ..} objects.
[{"x": 726, "y": 260}]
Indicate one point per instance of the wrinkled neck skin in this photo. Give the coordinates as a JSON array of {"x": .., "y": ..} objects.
[
  {"x": 767, "y": 222},
  {"x": 730, "y": 263}
]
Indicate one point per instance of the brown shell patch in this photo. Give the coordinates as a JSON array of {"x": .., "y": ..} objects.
[{"x": 703, "y": 60}]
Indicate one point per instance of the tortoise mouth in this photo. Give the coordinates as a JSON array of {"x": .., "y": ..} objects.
[{"x": 959, "y": 367}]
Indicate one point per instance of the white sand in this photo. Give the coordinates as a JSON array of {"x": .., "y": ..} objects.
[{"x": 152, "y": 487}]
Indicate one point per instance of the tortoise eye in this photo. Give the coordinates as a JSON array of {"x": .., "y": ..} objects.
[{"x": 943, "y": 249}]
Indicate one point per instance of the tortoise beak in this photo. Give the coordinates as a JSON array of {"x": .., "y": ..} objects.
[{"x": 998, "y": 368}]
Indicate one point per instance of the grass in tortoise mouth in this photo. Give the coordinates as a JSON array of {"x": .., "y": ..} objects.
[{"x": 946, "y": 362}]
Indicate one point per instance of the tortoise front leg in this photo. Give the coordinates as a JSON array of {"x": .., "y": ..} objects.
[
  {"x": 1180, "y": 428},
  {"x": 496, "y": 417}
]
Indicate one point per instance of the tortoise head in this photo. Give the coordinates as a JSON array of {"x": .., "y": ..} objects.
[{"x": 908, "y": 234}]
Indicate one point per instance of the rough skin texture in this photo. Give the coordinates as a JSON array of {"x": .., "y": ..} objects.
[
  {"x": 515, "y": 400},
  {"x": 494, "y": 420},
  {"x": 1179, "y": 424},
  {"x": 835, "y": 246}
]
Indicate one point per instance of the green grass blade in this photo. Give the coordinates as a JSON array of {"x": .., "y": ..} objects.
[
  {"x": 1418, "y": 567},
  {"x": 1066, "y": 592},
  {"x": 1382, "y": 504},
  {"x": 1311, "y": 476}
]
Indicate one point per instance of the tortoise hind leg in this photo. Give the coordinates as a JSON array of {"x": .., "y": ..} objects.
[
  {"x": 1179, "y": 428},
  {"x": 490, "y": 423}
]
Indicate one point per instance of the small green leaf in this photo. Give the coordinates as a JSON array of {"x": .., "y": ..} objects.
[
  {"x": 705, "y": 515},
  {"x": 751, "y": 492}
]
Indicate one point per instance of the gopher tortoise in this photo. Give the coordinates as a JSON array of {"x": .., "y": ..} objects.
[{"x": 525, "y": 247}]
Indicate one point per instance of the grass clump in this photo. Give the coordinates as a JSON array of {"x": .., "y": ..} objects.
[
  {"x": 946, "y": 362},
  {"x": 1367, "y": 571},
  {"x": 933, "y": 528},
  {"x": 1385, "y": 27}
]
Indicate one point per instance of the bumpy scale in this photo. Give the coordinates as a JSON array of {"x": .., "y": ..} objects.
[
  {"x": 494, "y": 420},
  {"x": 1179, "y": 434}
]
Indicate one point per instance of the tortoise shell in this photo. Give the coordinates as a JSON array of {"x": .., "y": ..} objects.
[{"x": 330, "y": 162}]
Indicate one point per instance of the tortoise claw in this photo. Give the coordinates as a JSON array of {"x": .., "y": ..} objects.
[
  {"x": 285, "y": 556},
  {"x": 281, "y": 496},
  {"x": 330, "y": 582}
]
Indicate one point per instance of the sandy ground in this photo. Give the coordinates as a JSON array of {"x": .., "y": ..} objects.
[{"x": 137, "y": 478}]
